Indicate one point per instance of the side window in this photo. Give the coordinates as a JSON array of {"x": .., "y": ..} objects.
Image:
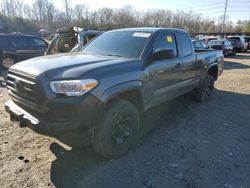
[
  {"x": 88, "y": 38},
  {"x": 197, "y": 44},
  {"x": 37, "y": 42},
  {"x": 185, "y": 44},
  {"x": 19, "y": 41},
  {"x": 165, "y": 41}
]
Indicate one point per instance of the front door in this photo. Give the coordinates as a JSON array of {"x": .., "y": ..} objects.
[{"x": 164, "y": 75}]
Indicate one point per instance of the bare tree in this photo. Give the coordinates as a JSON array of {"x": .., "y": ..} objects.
[
  {"x": 42, "y": 13},
  {"x": 67, "y": 9}
]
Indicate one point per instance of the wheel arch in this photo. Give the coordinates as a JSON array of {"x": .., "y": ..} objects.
[
  {"x": 129, "y": 91},
  {"x": 213, "y": 70}
]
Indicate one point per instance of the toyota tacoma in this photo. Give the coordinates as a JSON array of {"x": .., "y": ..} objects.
[{"x": 107, "y": 85}]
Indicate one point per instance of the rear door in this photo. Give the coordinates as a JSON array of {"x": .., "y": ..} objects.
[
  {"x": 38, "y": 46},
  {"x": 21, "y": 47},
  {"x": 3, "y": 42},
  {"x": 187, "y": 70}
]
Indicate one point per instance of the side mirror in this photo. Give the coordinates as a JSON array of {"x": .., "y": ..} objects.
[{"x": 160, "y": 54}]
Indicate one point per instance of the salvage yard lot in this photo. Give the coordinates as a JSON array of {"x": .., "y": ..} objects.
[{"x": 191, "y": 145}]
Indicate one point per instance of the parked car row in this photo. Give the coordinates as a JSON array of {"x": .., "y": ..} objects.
[
  {"x": 229, "y": 45},
  {"x": 18, "y": 47},
  {"x": 239, "y": 43},
  {"x": 221, "y": 44}
]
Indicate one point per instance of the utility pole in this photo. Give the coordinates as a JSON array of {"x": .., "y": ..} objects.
[{"x": 224, "y": 17}]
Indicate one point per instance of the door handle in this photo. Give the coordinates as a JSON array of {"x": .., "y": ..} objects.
[{"x": 178, "y": 65}]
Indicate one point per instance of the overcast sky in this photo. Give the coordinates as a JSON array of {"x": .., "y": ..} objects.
[{"x": 237, "y": 9}]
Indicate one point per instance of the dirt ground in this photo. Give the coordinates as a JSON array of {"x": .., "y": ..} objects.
[{"x": 190, "y": 145}]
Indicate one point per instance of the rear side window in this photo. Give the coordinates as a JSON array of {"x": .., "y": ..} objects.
[
  {"x": 37, "y": 42},
  {"x": 185, "y": 44},
  {"x": 165, "y": 41},
  {"x": 18, "y": 41}
]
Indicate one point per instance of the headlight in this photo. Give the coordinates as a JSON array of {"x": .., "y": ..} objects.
[{"x": 73, "y": 87}]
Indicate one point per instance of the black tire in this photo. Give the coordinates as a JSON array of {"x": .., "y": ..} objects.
[
  {"x": 117, "y": 130},
  {"x": 204, "y": 92},
  {"x": 7, "y": 61}
]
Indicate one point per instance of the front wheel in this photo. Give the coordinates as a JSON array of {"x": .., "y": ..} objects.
[
  {"x": 117, "y": 130},
  {"x": 204, "y": 92}
]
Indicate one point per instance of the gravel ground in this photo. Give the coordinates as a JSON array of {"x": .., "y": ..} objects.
[{"x": 189, "y": 145}]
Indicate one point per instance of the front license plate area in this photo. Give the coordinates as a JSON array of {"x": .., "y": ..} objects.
[{"x": 16, "y": 118}]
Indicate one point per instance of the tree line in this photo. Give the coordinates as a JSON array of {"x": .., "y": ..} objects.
[{"x": 18, "y": 16}]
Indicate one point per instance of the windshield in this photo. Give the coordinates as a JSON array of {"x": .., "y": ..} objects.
[{"x": 127, "y": 44}]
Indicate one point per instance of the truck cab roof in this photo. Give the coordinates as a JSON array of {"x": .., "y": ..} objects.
[{"x": 152, "y": 30}]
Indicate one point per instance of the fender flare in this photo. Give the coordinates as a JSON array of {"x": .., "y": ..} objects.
[
  {"x": 211, "y": 65},
  {"x": 120, "y": 88}
]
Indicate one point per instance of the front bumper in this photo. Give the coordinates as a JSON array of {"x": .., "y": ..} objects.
[{"x": 65, "y": 115}]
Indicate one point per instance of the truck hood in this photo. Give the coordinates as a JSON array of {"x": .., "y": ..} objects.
[{"x": 65, "y": 65}]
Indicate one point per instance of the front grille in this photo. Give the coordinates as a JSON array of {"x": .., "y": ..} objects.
[{"x": 24, "y": 89}]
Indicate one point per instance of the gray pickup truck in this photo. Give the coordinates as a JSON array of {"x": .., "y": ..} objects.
[{"x": 104, "y": 88}]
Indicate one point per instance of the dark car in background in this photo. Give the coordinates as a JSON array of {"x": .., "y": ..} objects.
[
  {"x": 71, "y": 40},
  {"x": 247, "y": 40},
  {"x": 20, "y": 47},
  {"x": 223, "y": 45},
  {"x": 238, "y": 43}
]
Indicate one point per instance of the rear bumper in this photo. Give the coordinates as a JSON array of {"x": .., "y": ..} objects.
[{"x": 81, "y": 115}]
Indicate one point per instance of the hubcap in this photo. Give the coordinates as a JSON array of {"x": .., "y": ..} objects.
[
  {"x": 7, "y": 62},
  {"x": 122, "y": 131}
]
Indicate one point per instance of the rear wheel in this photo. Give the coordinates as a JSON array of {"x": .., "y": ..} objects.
[
  {"x": 7, "y": 62},
  {"x": 117, "y": 130},
  {"x": 204, "y": 93}
]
